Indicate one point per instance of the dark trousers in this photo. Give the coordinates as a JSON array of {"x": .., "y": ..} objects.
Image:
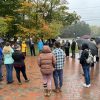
[
  {"x": 73, "y": 53},
  {"x": 67, "y": 51},
  {"x": 32, "y": 50},
  {"x": 58, "y": 78},
  {"x": 19, "y": 69}
]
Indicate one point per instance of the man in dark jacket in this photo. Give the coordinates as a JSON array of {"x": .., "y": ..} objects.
[
  {"x": 73, "y": 47},
  {"x": 67, "y": 47},
  {"x": 31, "y": 45},
  {"x": 19, "y": 64}
]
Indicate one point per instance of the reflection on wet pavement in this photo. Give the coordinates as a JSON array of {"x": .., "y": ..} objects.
[{"x": 72, "y": 86}]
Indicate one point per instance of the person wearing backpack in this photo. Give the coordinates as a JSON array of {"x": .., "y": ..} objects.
[{"x": 85, "y": 62}]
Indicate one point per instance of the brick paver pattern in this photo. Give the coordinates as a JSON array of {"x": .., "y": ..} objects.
[{"x": 72, "y": 86}]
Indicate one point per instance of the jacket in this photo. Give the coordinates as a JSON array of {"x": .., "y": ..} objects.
[
  {"x": 18, "y": 58},
  {"x": 24, "y": 47},
  {"x": 46, "y": 61},
  {"x": 73, "y": 45},
  {"x": 40, "y": 45},
  {"x": 84, "y": 56}
]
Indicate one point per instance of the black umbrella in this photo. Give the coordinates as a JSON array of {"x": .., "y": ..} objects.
[
  {"x": 92, "y": 46},
  {"x": 97, "y": 40}
]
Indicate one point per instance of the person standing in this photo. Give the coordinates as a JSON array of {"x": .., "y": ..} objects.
[
  {"x": 32, "y": 48},
  {"x": 1, "y": 57},
  {"x": 40, "y": 45},
  {"x": 63, "y": 45},
  {"x": 46, "y": 62},
  {"x": 85, "y": 65},
  {"x": 8, "y": 61},
  {"x": 24, "y": 48},
  {"x": 67, "y": 47},
  {"x": 58, "y": 72},
  {"x": 19, "y": 64},
  {"x": 73, "y": 47}
]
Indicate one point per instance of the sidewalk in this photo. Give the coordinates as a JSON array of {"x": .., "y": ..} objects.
[{"x": 72, "y": 87}]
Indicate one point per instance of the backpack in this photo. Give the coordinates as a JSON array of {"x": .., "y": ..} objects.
[{"x": 90, "y": 58}]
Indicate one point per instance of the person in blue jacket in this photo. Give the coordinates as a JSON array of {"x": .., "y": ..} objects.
[
  {"x": 8, "y": 61},
  {"x": 40, "y": 45}
]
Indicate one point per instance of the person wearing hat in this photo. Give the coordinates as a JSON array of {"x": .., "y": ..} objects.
[
  {"x": 19, "y": 64},
  {"x": 8, "y": 61}
]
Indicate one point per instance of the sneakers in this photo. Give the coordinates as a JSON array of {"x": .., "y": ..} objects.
[
  {"x": 45, "y": 92},
  {"x": 19, "y": 83},
  {"x": 59, "y": 89},
  {"x": 48, "y": 93},
  {"x": 87, "y": 86},
  {"x": 10, "y": 82},
  {"x": 27, "y": 80},
  {"x": 55, "y": 90}
]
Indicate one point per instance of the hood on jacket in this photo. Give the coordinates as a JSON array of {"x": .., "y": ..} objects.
[{"x": 46, "y": 49}]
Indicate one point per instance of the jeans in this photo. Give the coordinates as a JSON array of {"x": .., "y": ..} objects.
[
  {"x": 0, "y": 72},
  {"x": 18, "y": 70},
  {"x": 58, "y": 78},
  {"x": 9, "y": 75},
  {"x": 86, "y": 70}
]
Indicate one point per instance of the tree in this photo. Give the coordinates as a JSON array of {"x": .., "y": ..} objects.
[
  {"x": 45, "y": 18},
  {"x": 3, "y": 27},
  {"x": 80, "y": 28},
  {"x": 7, "y": 11},
  {"x": 95, "y": 30},
  {"x": 41, "y": 18}
]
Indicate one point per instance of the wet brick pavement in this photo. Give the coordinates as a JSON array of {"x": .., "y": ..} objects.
[{"x": 72, "y": 87}]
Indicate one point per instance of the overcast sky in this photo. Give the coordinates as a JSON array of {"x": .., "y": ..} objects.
[{"x": 89, "y": 10}]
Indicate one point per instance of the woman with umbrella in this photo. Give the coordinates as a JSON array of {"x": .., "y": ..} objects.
[{"x": 85, "y": 65}]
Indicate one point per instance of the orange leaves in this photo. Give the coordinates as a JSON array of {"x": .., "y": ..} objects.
[
  {"x": 26, "y": 31},
  {"x": 26, "y": 4}
]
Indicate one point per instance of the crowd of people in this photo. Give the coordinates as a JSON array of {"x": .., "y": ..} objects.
[{"x": 51, "y": 60}]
